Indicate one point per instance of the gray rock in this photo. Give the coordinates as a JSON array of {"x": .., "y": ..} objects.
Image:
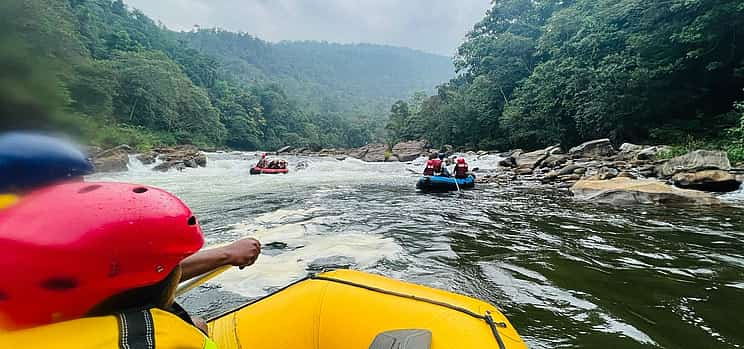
[
  {"x": 409, "y": 151},
  {"x": 695, "y": 161},
  {"x": 708, "y": 180},
  {"x": 283, "y": 150},
  {"x": 180, "y": 157},
  {"x": 593, "y": 149},
  {"x": 568, "y": 170},
  {"x": 370, "y": 152},
  {"x": 147, "y": 158},
  {"x": 651, "y": 153},
  {"x": 115, "y": 150},
  {"x": 112, "y": 160},
  {"x": 523, "y": 171},
  {"x": 630, "y": 148},
  {"x": 508, "y": 162},
  {"x": 571, "y": 177},
  {"x": 606, "y": 173},
  {"x": 531, "y": 160},
  {"x": 626, "y": 191},
  {"x": 553, "y": 161}
]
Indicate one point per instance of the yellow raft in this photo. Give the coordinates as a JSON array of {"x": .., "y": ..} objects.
[{"x": 346, "y": 309}]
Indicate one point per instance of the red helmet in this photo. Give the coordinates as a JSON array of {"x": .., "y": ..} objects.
[
  {"x": 460, "y": 160},
  {"x": 263, "y": 155},
  {"x": 66, "y": 248}
]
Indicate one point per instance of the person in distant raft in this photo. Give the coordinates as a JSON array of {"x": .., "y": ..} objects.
[
  {"x": 263, "y": 163},
  {"x": 100, "y": 265},
  {"x": 443, "y": 167},
  {"x": 431, "y": 165},
  {"x": 461, "y": 169}
]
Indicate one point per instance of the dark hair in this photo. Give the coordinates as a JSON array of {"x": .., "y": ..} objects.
[{"x": 158, "y": 295}]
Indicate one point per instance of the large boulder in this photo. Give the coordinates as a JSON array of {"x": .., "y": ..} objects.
[
  {"x": 409, "y": 151},
  {"x": 370, "y": 152},
  {"x": 695, "y": 161},
  {"x": 708, "y": 180},
  {"x": 113, "y": 160},
  {"x": 532, "y": 159},
  {"x": 593, "y": 149},
  {"x": 627, "y": 191}
]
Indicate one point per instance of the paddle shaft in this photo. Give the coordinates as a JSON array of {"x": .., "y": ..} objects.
[{"x": 193, "y": 283}]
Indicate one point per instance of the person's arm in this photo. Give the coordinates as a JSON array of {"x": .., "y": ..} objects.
[{"x": 241, "y": 253}]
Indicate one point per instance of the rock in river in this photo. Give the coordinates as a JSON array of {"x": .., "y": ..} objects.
[
  {"x": 112, "y": 160},
  {"x": 626, "y": 191},
  {"x": 370, "y": 152},
  {"x": 409, "y": 151},
  {"x": 708, "y": 180},
  {"x": 592, "y": 149},
  {"x": 694, "y": 161}
]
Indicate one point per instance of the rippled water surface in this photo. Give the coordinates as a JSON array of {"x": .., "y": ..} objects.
[{"x": 566, "y": 274}]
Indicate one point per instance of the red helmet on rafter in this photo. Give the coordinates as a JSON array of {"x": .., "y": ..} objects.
[{"x": 66, "y": 248}]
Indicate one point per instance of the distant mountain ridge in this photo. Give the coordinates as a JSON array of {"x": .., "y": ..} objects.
[{"x": 327, "y": 77}]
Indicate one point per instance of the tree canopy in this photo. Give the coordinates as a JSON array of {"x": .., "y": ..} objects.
[
  {"x": 112, "y": 75},
  {"x": 539, "y": 72}
]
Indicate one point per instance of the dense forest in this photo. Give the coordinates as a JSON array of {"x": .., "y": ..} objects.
[
  {"x": 352, "y": 79},
  {"x": 111, "y": 75},
  {"x": 540, "y": 72}
]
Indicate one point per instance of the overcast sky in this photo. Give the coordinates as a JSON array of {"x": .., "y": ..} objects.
[{"x": 437, "y": 26}]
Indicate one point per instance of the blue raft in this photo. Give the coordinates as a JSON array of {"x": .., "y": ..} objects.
[{"x": 442, "y": 184}]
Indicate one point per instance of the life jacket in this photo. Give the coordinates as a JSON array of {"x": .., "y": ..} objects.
[
  {"x": 429, "y": 169},
  {"x": 461, "y": 170},
  {"x": 142, "y": 329},
  {"x": 437, "y": 163}
]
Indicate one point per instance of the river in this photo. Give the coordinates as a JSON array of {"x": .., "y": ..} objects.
[{"x": 566, "y": 274}]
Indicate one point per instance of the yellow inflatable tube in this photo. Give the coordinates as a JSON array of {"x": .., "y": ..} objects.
[
  {"x": 7, "y": 200},
  {"x": 347, "y": 309}
]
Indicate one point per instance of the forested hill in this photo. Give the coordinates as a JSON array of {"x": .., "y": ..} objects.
[
  {"x": 350, "y": 78},
  {"x": 112, "y": 75},
  {"x": 539, "y": 72}
]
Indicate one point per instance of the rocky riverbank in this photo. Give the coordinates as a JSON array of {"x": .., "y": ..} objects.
[
  {"x": 596, "y": 171},
  {"x": 179, "y": 157}
]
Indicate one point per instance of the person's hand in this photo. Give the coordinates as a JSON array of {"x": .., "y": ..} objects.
[{"x": 243, "y": 253}]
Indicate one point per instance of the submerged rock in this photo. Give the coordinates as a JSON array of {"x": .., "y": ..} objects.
[
  {"x": 626, "y": 191},
  {"x": 708, "y": 180}
]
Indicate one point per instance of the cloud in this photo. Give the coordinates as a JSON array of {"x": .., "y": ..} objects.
[{"x": 437, "y": 26}]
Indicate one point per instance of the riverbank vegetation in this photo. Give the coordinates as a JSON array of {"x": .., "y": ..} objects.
[
  {"x": 536, "y": 73},
  {"x": 111, "y": 75}
]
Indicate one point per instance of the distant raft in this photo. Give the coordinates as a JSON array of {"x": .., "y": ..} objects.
[
  {"x": 261, "y": 170},
  {"x": 444, "y": 184},
  {"x": 347, "y": 309}
]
